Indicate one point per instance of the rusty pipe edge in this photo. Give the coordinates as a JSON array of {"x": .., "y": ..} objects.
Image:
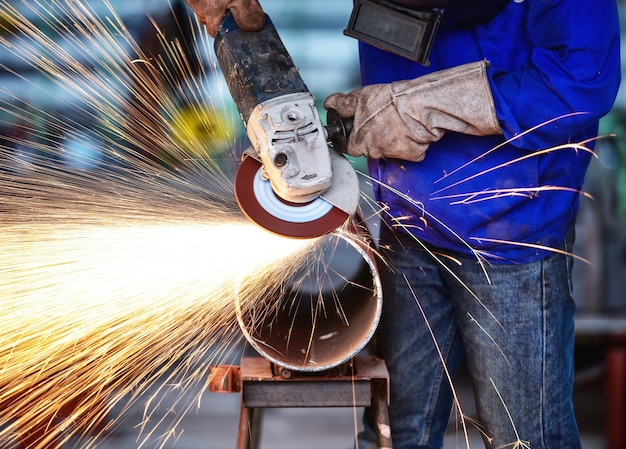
[{"x": 325, "y": 314}]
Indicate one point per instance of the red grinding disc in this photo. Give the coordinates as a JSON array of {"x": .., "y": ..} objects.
[{"x": 261, "y": 205}]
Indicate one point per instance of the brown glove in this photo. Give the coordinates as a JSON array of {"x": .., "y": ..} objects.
[
  {"x": 248, "y": 14},
  {"x": 401, "y": 119}
]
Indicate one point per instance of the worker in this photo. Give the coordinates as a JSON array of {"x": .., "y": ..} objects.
[{"x": 476, "y": 163}]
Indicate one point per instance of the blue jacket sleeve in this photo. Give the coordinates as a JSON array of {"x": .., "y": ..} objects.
[{"x": 571, "y": 69}]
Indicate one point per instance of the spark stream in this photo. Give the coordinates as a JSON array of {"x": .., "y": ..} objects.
[{"x": 121, "y": 239}]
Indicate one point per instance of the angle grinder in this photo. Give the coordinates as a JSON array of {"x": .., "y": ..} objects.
[{"x": 293, "y": 180}]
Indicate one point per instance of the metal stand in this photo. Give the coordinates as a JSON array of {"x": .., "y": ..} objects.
[
  {"x": 615, "y": 362},
  {"x": 366, "y": 384},
  {"x": 608, "y": 334}
]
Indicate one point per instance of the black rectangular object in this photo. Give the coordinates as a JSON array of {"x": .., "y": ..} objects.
[{"x": 402, "y": 31}]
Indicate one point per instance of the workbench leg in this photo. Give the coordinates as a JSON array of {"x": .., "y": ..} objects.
[
  {"x": 249, "y": 427},
  {"x": 616, "y": 395},
  {"x": 381, "y": 413}
]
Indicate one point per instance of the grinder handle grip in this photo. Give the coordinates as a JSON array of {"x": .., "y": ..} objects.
[{"x": 338, "y": 130}]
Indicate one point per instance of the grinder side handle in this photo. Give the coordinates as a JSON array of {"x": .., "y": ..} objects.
[{"x": 338, "y": 130}]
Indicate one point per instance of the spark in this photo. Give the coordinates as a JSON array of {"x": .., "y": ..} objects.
[
  {"x": 122, "y": 245},
  {"x": 492, "y": 194},
  {"x": 536, "y": 246},
  {"x": 513, "y": 139},
  {"x": 573, "y": 146},
  {"x": 447, "y": 373},
  {"x": 489, "y": 336},
  {"x": 518, "y": 444},
  {"x": 95, "y": 310},
  {"x": 424, "y": 218}
]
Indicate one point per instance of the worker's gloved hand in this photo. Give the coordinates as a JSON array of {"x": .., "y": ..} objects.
[
  {"x": 401, "y": 119},
  {"x": 248, "y": 14}
]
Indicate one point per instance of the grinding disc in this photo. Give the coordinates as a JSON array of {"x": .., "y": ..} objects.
[{"x": 260, "y": 204}]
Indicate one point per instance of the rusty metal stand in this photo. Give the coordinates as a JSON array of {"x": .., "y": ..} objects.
[
  {"x": 615, "y": 362},
  {"x": 366, "y": 386}
]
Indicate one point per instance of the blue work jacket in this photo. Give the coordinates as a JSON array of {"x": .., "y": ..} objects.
[{"x": 555, "y": 71}]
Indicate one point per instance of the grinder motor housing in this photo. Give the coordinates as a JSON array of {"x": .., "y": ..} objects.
[
  {"x": 290, "y": 182},
  {"x": 277, "y": 108}
]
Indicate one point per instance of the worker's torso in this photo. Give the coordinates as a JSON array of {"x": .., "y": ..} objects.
[{"x": 472, "y": 192}]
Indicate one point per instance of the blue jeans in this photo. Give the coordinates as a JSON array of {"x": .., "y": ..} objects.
[{"x": 512, "y": 324}]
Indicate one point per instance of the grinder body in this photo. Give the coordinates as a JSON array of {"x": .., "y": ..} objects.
[
  {"x": 256, "y": 65},
  {"x": 289, "y": 142}
]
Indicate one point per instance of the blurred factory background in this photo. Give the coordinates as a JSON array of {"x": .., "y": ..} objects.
[{"x": 312, "y": 33}]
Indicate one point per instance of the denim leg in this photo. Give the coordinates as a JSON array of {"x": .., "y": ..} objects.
[
  {"x": 516, "y": 324},
  {"x": 518, "y": 332},
  {"x": 421, "y": 398}
]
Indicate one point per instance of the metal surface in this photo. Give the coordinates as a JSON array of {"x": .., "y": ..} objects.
[
  {"x": 261, "y": 388},
  {"x": 323, "y": 314},
  {"x": 224, "y": 379},
  {"x": 366, "y": 385},
  {"x": 344, "y": 192}
]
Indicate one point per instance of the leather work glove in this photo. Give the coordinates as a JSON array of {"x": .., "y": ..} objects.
[
  {"x": 248, "y": 14},
  {"x": 401, "y": 119}
]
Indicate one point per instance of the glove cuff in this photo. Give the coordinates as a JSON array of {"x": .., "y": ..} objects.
[{"x": 458, "y": 99}]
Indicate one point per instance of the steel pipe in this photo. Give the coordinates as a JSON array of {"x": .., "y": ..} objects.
[{"x": 324, "y": 314}]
